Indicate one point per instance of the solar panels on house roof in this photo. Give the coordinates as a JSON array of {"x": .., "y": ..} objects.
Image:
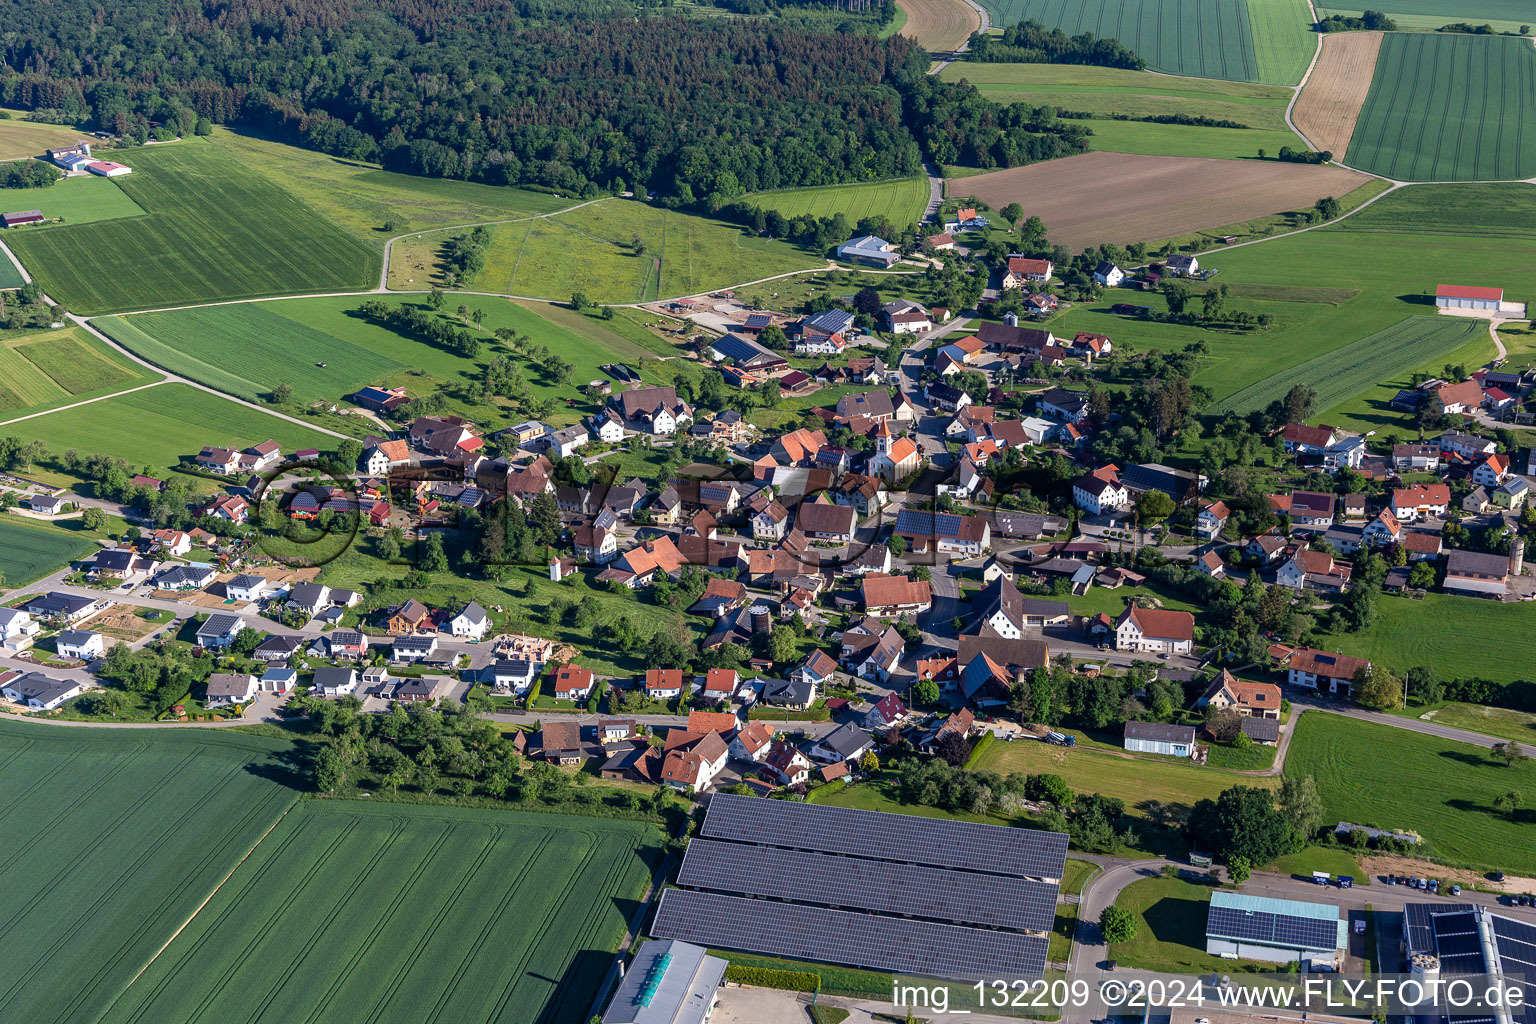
[
  {"x": 854, "y": 883},
  {"x": 843, "y": 937},
  {"x": 906, "y": 839}
]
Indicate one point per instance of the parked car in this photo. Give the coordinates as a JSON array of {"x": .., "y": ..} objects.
[
  {"x": 1455, "y": 890},
  {"x": 1391, "y": 879}
]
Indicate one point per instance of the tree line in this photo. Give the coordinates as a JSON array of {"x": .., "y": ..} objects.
[{"x": 1030, "y": 42}]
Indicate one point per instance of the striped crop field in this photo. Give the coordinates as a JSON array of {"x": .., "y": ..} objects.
[
  {"x": 29, "y": 550},
  {"x": 373, "y": 912},
  {"x": 1445, "y": 107},
  {"x": 214, "y": 230},
  {"x": 1202, "y": 38},
  {"x": 1339, "y": 375},
  {"x": 52, "y": 368},
  {"x": 116, "y": 838},
  {"x": 900, "y": 202}
]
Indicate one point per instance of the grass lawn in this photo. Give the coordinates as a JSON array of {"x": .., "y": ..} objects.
[
  {"x": 158, "y": 425},
  {"x": 1255, "y": 757},
  {"x": 900, "y": 202},
  {"x": 880, "y": 794},
  {"x": 1176, "y": 784},
  {"x": 483, "y": 915},
  {"x": 285, "y": 341},
  {"x": 214, "y": 230},
  {"x": 361, "y": 197},
  {"x": 52, "y": 368},
  {"x": 138, "y": 829},
  {"x": 1150, "y": 139},
  {"x": 591, "y": 250},
  {"x": 1385, "y": 777},
  {"x": 1331, "y": 859},
  {"x": 1112, "y": 602},
  {"x": 1170, "y": 934},
  {"x": 1447, "y": 634},
  {"x": 30, "y": 551},
  {"x": 1502, "y": 722},
  {"x": 20, "y": 138},
  {"x": 81, "y": 200}
]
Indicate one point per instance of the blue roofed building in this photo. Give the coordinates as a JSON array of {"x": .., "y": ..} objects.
[{"x": 745, "y": 353}]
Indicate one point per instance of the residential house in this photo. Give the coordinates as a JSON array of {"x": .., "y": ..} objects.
[
  {"x": 1154, "y": 631},
  {"x": 1511, "y": 494},
  {"x": 424, "y": 690},
  {"x": 1212, "y": 517},
  {"x": 1101, "y": 491},
  {"x": 1305, "y": 508},
  {"x": 608, "y": 427},
  {"x": 906, "y": 318},
  {"x": 943, "y": 532},
  {"x": 445, "y": 436},
  {"x": 47, "y": 504},
  {"x": 512, "y": 675},
  {"x": 185, "y": 577},
  {"x": 1324, "y": 671},
  {"x": 309, "y": 598},
  {"x": 1210, "y": 564},
  {"x": 1000, "y": 608},
  {"x": 414, "y": 648},
  {"x": 565, "y": 441},
  {"x": 470, "y": 623},
  {"x": 17, "y": 629},
  {"x": 1064, "y": 405},
  {"x": 345, "y": 644},
  {"x": 663, "y": 683},
  {"x": 1409, "y": 503},
  {"x": 1022, "y": 270},
  {"x": 219, "y": 631},
  {"x": 720, "y": 684},
  {"x": 120, "y": 563},
  {"x": 1160, "y": 738},
  {"x": 771, "y": 523},
  {"x": 572, "y": 682},
  {"x": 1259, "y": 700},
  {"x": 1313, "y": 570},
  {"x": 80, "y": 644},
  {"x": 658, "y": 409},
  {"x": 874, "y": 405},
  {"x": 751, "y": 743},
  {"x": 408, "y": 618},
  {"x": 278, "y": 647},
  {"x": 38, "y": 692},
  {"x": 228, "y": 688},
  {"x": 1416, "y": 458},
  {"x": 798, "y": 447},
  {"x": 1466, "y": 396},
  {"x": 887, "y": 596},
  {"x": 886, "y": 713},
  {"x": 693, "y": 763},
  {"x": 1381, "y": 531},
  {"x": 1108, "y": 275},
  {"x": 796, "y": 693},
  {"x": 845, "y": 743},
  {"x": 380, "y": 458},
  {"x": 823, "y": 520},
  {"x": 1468, "y": 446},
  {"x": 1300, "y": 439},
  {"x": 64, "y": 608},
  {"x": 1181, "y": 265},
  {"x": 788, "y": 765},
  {"x": 561, "y": 743},
  {"x": 1491, "y": 471}
]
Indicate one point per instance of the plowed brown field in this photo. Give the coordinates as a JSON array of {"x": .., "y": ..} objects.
[
  {"x": 1330, "y": 103},
  {"x": 939, "y": 25},
  {"x": 1115, "y": 197}
]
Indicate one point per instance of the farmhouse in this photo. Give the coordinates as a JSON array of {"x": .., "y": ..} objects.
[
  {"x": 1154, "y": 630},
  {"x": 1324, "y": 671},
  {"x": 657, "y": 408},
  {"x": 1022, "y": 270}
]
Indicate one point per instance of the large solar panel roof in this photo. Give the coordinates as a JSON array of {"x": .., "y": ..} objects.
[
  {"x": 1272, "y": 929},
  {"x": 1458, "y": 944},
  {"x": 841, "y": 937},
  {"x": 936, "y": 842},
  {"x": 905, "y": 889}
]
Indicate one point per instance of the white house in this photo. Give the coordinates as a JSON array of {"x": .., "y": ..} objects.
[
  {"x": 1212, "y": 517},
  {"x": 888, "y": 711},
  {"x": 752, "y": 743},
  {"x": 513, "y": 675},
  {"x": 1108, "y": 275},
  {"x": 608, "y": 428},
  {"x": 413, "y": 648},
  {"x": 471, "y": 623},
  {"x": 226, "y": 688},
  {"x": 1160, "y": 738},
  {"x": 1324, "y": 671},
  {"x": 790, "y": 766},
  {"x": 566, "y": 440},
  {"x": 17, "y": 629},
  {"x": 80, "y": 644},
  {"x": 246, "y": 587},
  {"x": 38, "y": 692},
  {"x": 219, "y": 631},
  {"x": 1154, "y": 631},
  {"x": 1100, "y": 491},
  {"x": 334, "y": 682}
]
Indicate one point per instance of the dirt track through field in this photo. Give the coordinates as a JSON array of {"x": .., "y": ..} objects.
[
  {"x": 1330, "y": 104},
  {"x": 938, "y": 25},
  {"x": 1116, "y": 197}
]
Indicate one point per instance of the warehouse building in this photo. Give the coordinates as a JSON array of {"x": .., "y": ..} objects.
[{"x": 1243, "y": 927}]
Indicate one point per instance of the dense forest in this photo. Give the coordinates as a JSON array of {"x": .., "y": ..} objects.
[
  {"x": 1030, "y": 42},
  {"x": 590, "y": 98}
]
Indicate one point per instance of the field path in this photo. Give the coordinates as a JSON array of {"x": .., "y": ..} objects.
[
  {"x": 390, "y": 244},
  {"x": 88, "y": 401},
  {"x": 1325, "y": 109},
  {"x": 919, "y": 10}
]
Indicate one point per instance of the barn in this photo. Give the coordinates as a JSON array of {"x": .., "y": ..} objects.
[
  {"x": 1243, "y": 927},
  {"x": 1160, "y": 738},
  {"x": 108, "y": 169},
  {"x": 16, "y": 220},
  {"x": 1455, "y": 296}
]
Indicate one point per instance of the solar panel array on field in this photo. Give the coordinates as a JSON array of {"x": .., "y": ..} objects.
[
  {"x": 835, "y": 936},
  {"x": 904, "y": 889},
  {"x": 991, "y": 849}
]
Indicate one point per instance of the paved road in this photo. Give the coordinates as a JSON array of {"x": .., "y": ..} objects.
[{"x": 1444, "y": 732}]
